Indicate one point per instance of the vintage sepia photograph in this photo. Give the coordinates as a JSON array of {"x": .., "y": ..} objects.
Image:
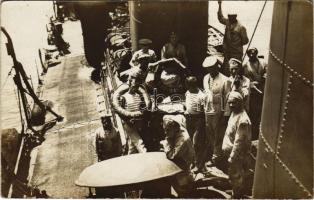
[{"x": 157, "y": 99}]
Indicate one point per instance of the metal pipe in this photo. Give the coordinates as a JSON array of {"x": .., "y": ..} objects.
[{"x": 133, "y": 24}]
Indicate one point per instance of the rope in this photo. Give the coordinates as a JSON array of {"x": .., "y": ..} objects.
[
  {"x": 133, "y": 17},
  {"x": 18, "y": 99},
  {"x": 6, "y": 78},
  {"x": 259, "y": 18},
  {"x": 72, "y": 126}
]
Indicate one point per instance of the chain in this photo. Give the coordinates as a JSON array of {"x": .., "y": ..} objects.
[
  {"x": 291, "y": 70},
  {"x": 284, "y": 166}
]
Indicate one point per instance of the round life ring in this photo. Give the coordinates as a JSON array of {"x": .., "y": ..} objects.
[{"x": 121, "y": 111}]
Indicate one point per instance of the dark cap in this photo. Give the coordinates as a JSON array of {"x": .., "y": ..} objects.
[
  {"x": 145, "y": 41},
  {"x": 252, "y": 50},
  {"x": 191, "y": 80}
]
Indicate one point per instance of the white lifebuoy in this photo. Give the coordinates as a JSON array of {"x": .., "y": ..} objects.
[{"x": 122, "y": 89}]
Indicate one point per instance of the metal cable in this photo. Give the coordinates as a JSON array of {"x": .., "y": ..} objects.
[
  {"x": 6, "y": 78},
  {"x": 259, "y": 18},
  {"x": 18, "y": 99},
  {"x": 72, "y": 126}
]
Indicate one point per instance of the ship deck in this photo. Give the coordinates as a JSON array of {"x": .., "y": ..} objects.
[{"x": 69, "y": 146}]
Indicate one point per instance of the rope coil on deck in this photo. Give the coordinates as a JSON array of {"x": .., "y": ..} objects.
[
  {"x": 283, "y": 165},
  {"x": 74, "y": 125},
  {"x": 291, "y": 70}
]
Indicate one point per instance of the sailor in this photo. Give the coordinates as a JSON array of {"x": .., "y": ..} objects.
[
  {"x": 146, "y": 54},
  {"x": 152, "y": 70},
  {"x": 108, "y": 143},
  {"x": 255, "y": 70},
  {"x": 134, "y": 126},
  {"x": 170, "y": 77},
  {"x": 62, "y": 46},
  {"x": 236, "y": 82},
  {"x": 179, "y": 148},
  {"x": 195, "y": 121},
  {"x": 237, "y": 143},
  {"x": 60, "y": 11},
  {"x": 50, "y": 55},
  {"x": 143, "y": 61},
  {"x": 173, "y": 49},
  {"x": 234, "y": 39},
  {"x": 215, "y": 120}
]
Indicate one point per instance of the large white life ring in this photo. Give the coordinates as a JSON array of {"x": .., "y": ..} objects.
[{"x": 122, "y": 89}]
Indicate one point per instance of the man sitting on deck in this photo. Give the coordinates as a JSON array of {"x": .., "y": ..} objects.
[
  {"x": 173, "y": 49},
  {"x": 179, "y": 148}
]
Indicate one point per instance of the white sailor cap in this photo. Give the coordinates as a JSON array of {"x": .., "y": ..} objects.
[
  {"x": 232, "y": 12},
  {"x": 135, "y": 72},
  {"x": 235, "y": 95},
  {"x": 144, "y": 56},
  {"x": 210, "y": 61},
  {"x": 145, "y": 41},
  {"x": 168, "y": 79}
]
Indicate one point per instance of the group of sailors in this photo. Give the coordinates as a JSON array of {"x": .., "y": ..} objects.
[{"x": 215, "y": 123}]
